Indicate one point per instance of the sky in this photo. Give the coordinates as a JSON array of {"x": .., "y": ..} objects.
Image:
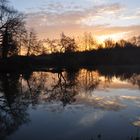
[{"x": 103, "y": 18}]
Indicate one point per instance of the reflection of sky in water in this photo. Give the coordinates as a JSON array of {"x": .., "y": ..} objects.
[{"x": 103, "y": 107}]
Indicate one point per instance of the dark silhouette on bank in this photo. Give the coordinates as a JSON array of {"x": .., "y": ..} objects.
[{"x": 114, "y": 56}]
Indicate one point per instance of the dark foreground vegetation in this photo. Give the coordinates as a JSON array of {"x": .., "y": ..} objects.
[{"x": 114, "y": 56}]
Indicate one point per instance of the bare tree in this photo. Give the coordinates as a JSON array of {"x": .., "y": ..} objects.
[
  {"x": 109, "y": 43},
  {"x": 89, "y": 41},
  {"x": 52, "y": 46},
  {"x": 32, "y": 45},
  {"x": 11, "y": 25},
  {"x": 31, "y": 42},
  {"x": 135, "y": 40},
  {"x": 122, "y": 43},
  {"x": 68, "y": 44}
]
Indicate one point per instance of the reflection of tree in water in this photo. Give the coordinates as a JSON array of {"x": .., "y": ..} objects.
[
  {"x": 12, "y": 104},
  {"x": 88, "y": 80},
  {"x": 135, "y": 80},
  {"x": 64, "y": 89},
  {"x": 17, "y": 92},
  {"x": 34, "y": 86},
  {"x": 130, "y": 75}
]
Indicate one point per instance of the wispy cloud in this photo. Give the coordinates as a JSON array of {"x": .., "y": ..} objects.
[
  {"x": 100, "y": 102},
  {"x": 53, "y": 18},
  {"x": 90, "y": 119}
]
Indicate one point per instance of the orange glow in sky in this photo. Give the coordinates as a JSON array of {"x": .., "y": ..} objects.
[{"x": 114, "y": 37}]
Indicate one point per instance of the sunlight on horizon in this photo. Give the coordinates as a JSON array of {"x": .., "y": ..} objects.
[{"x": 114, "y": 37}]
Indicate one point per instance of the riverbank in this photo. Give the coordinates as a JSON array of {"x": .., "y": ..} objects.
[{"x": 108, "y": 57}]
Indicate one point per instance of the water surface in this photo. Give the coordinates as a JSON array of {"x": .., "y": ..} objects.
[{"x": 70, "y": 105}]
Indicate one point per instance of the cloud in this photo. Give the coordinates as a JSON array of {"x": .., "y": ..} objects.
[
  {"x": 134, "y": 99},
  {"x": 136, "y": 123},
  {"x": 99, "y": 102},
  {"x": 130, "y": 14},
  {"x": 131, "y": 98},
  {"x": 52, "y": 19},
  {"x": 90, "y": 119},
  {"x": 73, "y": 16}
]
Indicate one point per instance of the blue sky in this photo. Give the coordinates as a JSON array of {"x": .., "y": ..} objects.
[
  {"x": 101, "y": 17},
  {"x": 23, "y": 5}
]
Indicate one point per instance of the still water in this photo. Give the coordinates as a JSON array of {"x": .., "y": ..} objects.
[{"x": 70, "y": 105}]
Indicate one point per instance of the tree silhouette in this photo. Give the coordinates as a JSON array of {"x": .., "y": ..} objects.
[
  {"x": 109, "y": 43},
  {"x": 12, "y": 105},
  {"x": 11, "y": 25},
  {"x": 32, "y": 44},
  {"x": 89, "y": 41},
  {"x": 68, "y": 44},
  {"x": 53, "y": 46},
  {"x": 63, "y": 89}
]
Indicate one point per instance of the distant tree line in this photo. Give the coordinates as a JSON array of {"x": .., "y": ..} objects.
[{"x": 85, "y": 43}]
